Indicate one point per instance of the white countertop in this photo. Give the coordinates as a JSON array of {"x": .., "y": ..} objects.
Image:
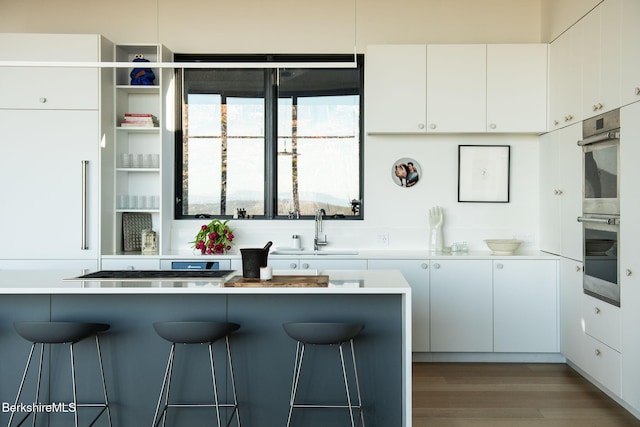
[
  {"x": 31, "y": 282},
  {"x": 361, "y": 254}
]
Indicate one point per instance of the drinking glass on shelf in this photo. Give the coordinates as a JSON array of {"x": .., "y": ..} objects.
[
  {"x": 155, "y": 160},
  {"x": 143, "y": 202},
  {"x": 122, "y": 202},
  {"x": 136, "y": 161},
  {"x": 147, "y": 162},
  {"x": 133, "y": 202},
  {"x": 155, "y": 202},
  {"x": 125, "y": 160}
]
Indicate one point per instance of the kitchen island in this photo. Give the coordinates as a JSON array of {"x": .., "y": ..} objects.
[{"x": 135, "y": 356}]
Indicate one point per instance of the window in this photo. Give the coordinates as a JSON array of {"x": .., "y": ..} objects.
[{"x": 269, "y": 143}]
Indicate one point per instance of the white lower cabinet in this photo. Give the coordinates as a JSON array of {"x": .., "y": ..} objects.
[
  {"x": 602, "y": 342},
  {"x": 525, "y": 306},
  {"x": 571, "y": 320},
  {"x": 461, "y": 306},
  {"x": 602, "y": 363},
  {"x": 416, "y": 272},
  {"x": 316, "y": 264},
  {"x": 131, "y": 263}
]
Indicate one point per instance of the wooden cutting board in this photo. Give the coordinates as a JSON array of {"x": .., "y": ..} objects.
[{"x": 300, "y": 281}]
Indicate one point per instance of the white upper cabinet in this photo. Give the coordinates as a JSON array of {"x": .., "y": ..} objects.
[
  {"x": 48, "y": 88},
  {"x": 516, "y": 88},
  {"x": 456, "y": 88},
  {"x": 565, "y": 80},
  {"x": 396, "y": 85},
  {"x": 561, "y": 192},
  {"x": 629, "y": 58},
  {"x": 600, "y": 52}
]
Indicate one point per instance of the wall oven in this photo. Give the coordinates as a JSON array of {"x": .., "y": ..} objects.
[
  {"x": 601, "y": 206},
  {"x": 601, "y": 266},
  {"x": 601, "y": 163}
]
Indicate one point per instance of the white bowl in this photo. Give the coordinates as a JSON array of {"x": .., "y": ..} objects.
[{"x": 503, "y": 246}]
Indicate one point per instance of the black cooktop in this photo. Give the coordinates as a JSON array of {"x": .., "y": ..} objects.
[{"x": 155, "y": 274}]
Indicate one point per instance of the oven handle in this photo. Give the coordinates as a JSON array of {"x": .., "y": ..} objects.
[
  {"x": 610, "y": 221},
  {"x": 599, "y": 138}
]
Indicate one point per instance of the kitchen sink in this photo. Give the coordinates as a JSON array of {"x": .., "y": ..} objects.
[{"x": 311, "y": 252}]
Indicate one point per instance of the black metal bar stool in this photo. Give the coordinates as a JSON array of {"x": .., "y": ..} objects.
[
  {"x": 61, "y": 333},
  {"x": 196, "y": 333},
  {"x": 325, "y": 334}
]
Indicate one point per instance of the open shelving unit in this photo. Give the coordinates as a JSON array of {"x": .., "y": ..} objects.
[{"x": 136, "y": 157}]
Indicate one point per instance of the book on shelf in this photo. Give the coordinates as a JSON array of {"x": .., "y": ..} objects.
[{"x": 139, "y": 120}]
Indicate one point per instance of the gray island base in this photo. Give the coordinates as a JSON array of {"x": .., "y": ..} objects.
[{"x": 135, "y": 356}]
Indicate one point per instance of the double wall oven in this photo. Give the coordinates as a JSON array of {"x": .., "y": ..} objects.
[{"x": 601, "y": 206}]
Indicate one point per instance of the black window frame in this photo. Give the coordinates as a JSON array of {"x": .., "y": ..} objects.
[{"x": 271, "y": 124}]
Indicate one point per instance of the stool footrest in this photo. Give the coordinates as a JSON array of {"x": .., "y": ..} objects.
[{"x": 302, "y": 405}]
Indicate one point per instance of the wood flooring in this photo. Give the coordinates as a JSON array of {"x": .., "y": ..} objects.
[{"x": 510, "y": 395}]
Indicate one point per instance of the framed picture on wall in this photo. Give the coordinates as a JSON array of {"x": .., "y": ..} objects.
[{"x": 483, "y": 173}]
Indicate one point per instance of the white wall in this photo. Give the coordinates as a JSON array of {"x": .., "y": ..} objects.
[
  {"x": 334, "y": 26},
  {"x": 402, "y": 212},
  {"x": 558, "y": 15},
  {"x": 295, "y": 26}
]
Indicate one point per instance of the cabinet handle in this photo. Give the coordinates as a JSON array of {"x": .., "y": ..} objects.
[
  {"x": 85, "y": 164},
  {"x": 556, "y": 123},
  {"x": 568, "y": 118},
  {"x": 597, "y": 106},
  {"x": 628, "y": 272},
  {"x": 598, "y": 352},
  {"x": 436, "y": 266},
  {"x": 305, "y": 265},
  {"x": 597, "y": 310},
  {"x": 421, "y": 126},
  {"x": 492, "y": 126},
  {"x": 424, "y": 266},
  {"x": 499, "y": 266},
  {"x": 293, "y": 266},
  {"x": 638, "y": 91},
  {"x": 43, "y": 100},
  {"x": 578, "y": 268},
  {"x": 432, "y": 126}
]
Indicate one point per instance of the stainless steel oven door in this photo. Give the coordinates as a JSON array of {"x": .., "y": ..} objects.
[
  {"x": 601, "y": 164},
  {"x": 601, "y": 178},
  {"x": 601, "y": 266}
]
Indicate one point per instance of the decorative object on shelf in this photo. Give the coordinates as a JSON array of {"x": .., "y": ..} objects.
[
  {"x": 483, "y": 173},
  {"x": 503, "y": 246},
  {"x": 132, "y": 225},
  {"x": 436, "y": 220},
  {"x": 142, "y": 76},
  {"x": 149, "y": 242},
  {"x": 405, "y": 172},
  {"x": 214, "y": 238}
]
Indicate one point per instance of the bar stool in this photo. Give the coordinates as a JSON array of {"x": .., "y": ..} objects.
[
  {"x": 196, "y": 333},
  {"x": 61, "y": 333},
  {"x": 324, "y": 334}
]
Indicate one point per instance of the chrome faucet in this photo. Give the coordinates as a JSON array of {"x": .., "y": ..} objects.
[{"x": 318, "y": 224}]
